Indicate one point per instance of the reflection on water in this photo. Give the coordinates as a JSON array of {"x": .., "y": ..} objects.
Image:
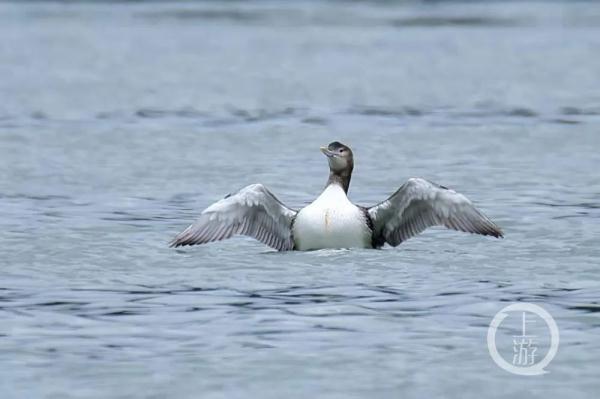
[{"x": 121, "y": 122}]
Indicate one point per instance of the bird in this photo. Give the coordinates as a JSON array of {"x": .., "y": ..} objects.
[{"x": 332, "y": 220}]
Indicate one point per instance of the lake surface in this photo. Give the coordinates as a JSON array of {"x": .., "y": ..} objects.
[{"x": 120, "y": 122}]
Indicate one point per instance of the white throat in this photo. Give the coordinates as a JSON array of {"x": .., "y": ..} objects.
[{"x": 332, "y": 193}]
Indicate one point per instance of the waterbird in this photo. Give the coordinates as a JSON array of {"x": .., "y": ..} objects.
[{"x": 332, "y": 220}]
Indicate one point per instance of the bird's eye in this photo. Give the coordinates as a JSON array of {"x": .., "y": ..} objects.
[{"x": 342, "y": 150}]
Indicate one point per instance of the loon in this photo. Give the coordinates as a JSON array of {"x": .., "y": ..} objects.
[{"x": 332, "y": 220}]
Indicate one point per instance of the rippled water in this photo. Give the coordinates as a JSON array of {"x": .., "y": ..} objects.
[{"x": 119, "y": 123}]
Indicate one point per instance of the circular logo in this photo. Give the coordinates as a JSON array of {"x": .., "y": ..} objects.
[{"x": 525, "y": 345}]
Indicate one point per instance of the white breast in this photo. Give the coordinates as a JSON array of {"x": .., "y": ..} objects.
[{"x": 331, "y": 221}]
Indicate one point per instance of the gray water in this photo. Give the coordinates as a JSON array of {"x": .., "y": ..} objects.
[{"x": 120, "y": 122}]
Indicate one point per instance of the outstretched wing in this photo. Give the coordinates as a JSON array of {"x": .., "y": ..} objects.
[
  {"x": 419, "y": 204},
  {"x": 253, "y": 211}
]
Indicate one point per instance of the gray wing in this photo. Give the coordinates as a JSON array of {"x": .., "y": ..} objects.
[
  {"x": 253, "y": 211},
  {"x": 419, "y": 204}
]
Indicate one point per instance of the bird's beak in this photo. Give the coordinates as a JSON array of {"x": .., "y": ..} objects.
[{"x": 325, "y": 151}]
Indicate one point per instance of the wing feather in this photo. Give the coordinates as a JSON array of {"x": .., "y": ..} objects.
[
  {"x": 253, "y": 211},
  {"x": 419, "y": 204}
]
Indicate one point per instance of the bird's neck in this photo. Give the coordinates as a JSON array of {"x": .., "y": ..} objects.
[{"x": 340, "y": 178}]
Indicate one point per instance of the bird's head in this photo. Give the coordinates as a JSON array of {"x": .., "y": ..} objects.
[{"x": 341, "y": 160}]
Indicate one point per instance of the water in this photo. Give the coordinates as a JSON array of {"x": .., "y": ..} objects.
[{"x": 119, "y": 123}]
